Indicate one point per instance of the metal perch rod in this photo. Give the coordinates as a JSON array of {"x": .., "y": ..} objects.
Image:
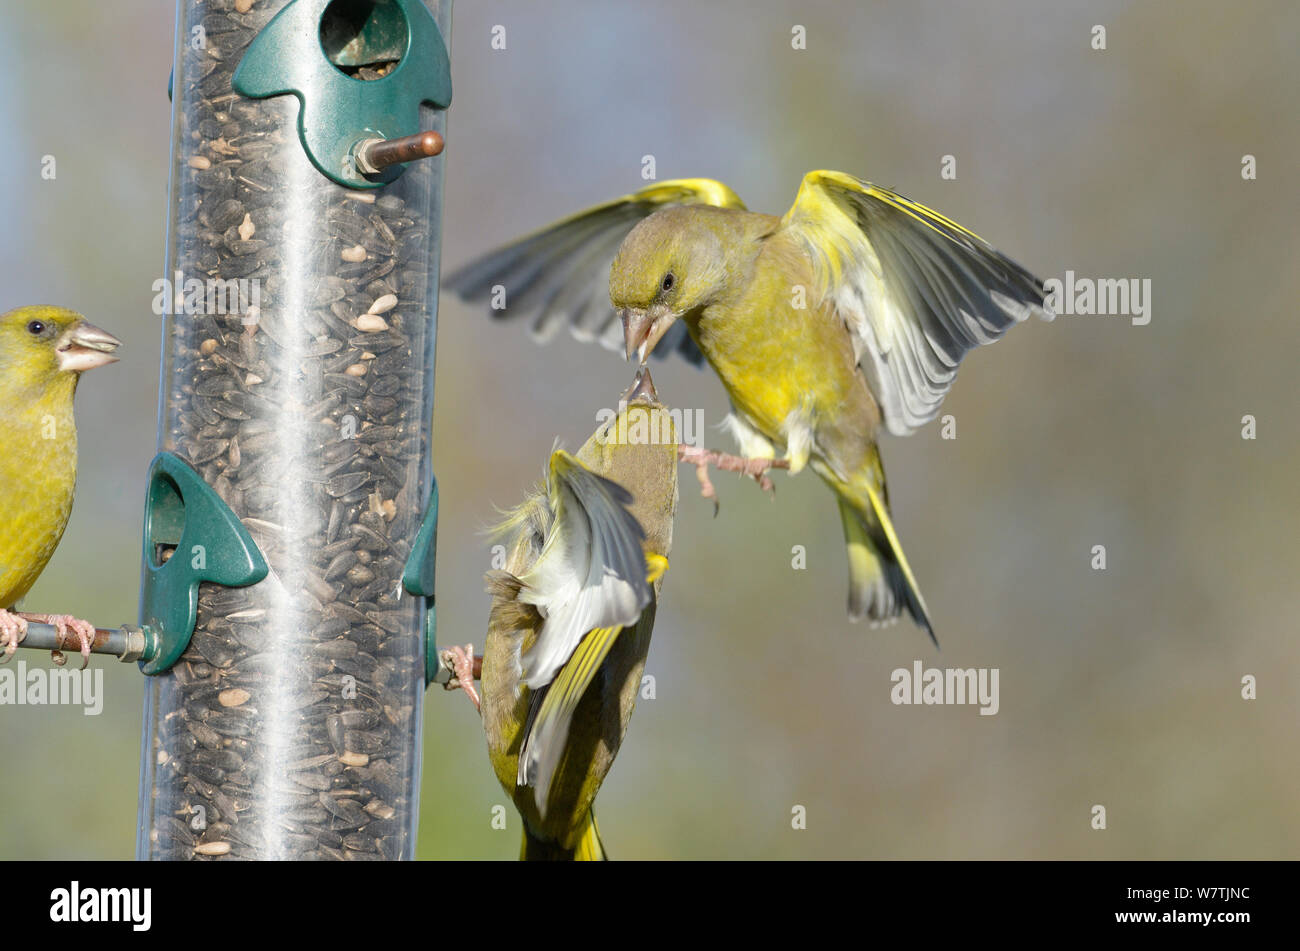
[
  {"x": 375, "y": 155},
  {"x": 126, "y": 642}
]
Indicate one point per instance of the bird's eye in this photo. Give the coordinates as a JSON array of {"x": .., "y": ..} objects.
[
  {"x": 668, "y": 281},
  {"x": 36, "y": 328}
]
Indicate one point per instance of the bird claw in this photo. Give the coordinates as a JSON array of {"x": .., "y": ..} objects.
[
  {"x": 462, "y": 662},
  {"x": 13, "y": 628},
  {"x": 755, "y": 468},
  {"x": 65, "y": 625},
  {"x": 706, "y": 486}
]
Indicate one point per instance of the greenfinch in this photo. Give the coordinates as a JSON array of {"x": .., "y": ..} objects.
[
  {"x": 43, "y": 352},
  {"x": 847, "y": 315},
  {"x": 570, "y": 623}
]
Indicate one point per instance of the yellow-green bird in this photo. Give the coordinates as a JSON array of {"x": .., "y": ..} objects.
[
  {"x": 571, "y": 619},
  {"x": 849, "y": 313},
  {"x": 43, "y": 352}
]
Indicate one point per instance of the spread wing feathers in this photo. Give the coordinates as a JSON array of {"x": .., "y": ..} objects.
[
  {"x": 552, "y": 709},
  {"x": 591, "y": 571},
  {"x": 552, "y": 713},
  {"x": 916, "y": 290},
  {"x": 560, "y": 274}
]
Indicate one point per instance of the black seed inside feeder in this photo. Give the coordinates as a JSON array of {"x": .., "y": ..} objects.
[{"x": 297, "y": 386}]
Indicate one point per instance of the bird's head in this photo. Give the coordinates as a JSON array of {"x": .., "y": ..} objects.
[
  {"x": 42, "y": 346},
  {"x": 672, "y": 264}
]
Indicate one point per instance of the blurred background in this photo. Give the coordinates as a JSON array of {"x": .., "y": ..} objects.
[{"x": 1119, "y": 688}]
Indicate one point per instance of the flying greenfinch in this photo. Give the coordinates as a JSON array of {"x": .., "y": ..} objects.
[
  {"x": 849, "y": 314},
  {"x": 570, "y": 623},
  {"x": 43, "y": 352}
]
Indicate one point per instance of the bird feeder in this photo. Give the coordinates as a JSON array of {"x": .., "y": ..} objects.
[{"x": 291, "y": 512}]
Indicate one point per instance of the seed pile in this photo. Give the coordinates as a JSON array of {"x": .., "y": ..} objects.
[{"x": 289, "y": 727}]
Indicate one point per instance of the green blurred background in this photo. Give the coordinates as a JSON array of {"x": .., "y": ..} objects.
[{"x": 1118, "y": 687}]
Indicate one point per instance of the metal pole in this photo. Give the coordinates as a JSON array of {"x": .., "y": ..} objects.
[{"x": 127, "y": 642}]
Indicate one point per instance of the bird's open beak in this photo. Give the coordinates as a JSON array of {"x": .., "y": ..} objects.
[
  {"x": 642, "y": 389},
  {"x": 85, "y": 347},
  {"x": 643, "y": 328}
]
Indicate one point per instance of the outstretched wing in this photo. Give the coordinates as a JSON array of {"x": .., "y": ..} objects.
[
  {"x": 559, "y": 276},
  {"x": 588, "y": 583},
  {"x": 591, "y": 571},
  {"x": 553, "y": 707},
  {"x": 915, "y": 290}
]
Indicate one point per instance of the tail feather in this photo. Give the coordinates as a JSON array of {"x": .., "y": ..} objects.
[
  {"x": 588, "y": 848},
  {"x": 881, "y": 583}
]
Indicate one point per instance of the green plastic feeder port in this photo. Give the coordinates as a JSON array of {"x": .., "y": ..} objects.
[
  {"x": 417, "y": 579},
  {"x": 317, "y": 50},
  {"x": 190, "y": 536}
]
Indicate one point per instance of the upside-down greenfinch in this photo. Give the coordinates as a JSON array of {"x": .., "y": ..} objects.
[{"x": 571, "y": 618}]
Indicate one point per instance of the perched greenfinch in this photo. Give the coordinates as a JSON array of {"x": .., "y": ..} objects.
[
  {"x": 43, "y": 352},
  {"x": 570, "y": 624},
  {"x": 850, "y": 313}
]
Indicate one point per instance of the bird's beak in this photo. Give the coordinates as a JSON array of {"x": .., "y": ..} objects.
[
  {"x": 642, "y": 389},
  {"x": 642, "y": 330},
  {"x": 85, "y": 347}
]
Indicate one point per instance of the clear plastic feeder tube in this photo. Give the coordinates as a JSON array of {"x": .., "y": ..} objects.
[{"x": 297, "y": 380}]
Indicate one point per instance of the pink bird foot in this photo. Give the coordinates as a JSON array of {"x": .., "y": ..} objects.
[
  {"x": 465, "y": 669},
  {"x": 64, "y": 625},
  {"x": 13, "y": 628},
  {"x": 756, "y": 469}
]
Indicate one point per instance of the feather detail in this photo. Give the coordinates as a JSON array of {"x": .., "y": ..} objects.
[
  {"x": 590, "y": 572},
  {"x": 552, "y": 709},
  {"x": 559, "y": 276},
  {"x": 916, "y": 290}
]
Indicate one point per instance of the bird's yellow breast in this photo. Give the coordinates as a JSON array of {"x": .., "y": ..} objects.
[
  {"x": 38, "y": 475},
  {"x": 782, "y": 354}
]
